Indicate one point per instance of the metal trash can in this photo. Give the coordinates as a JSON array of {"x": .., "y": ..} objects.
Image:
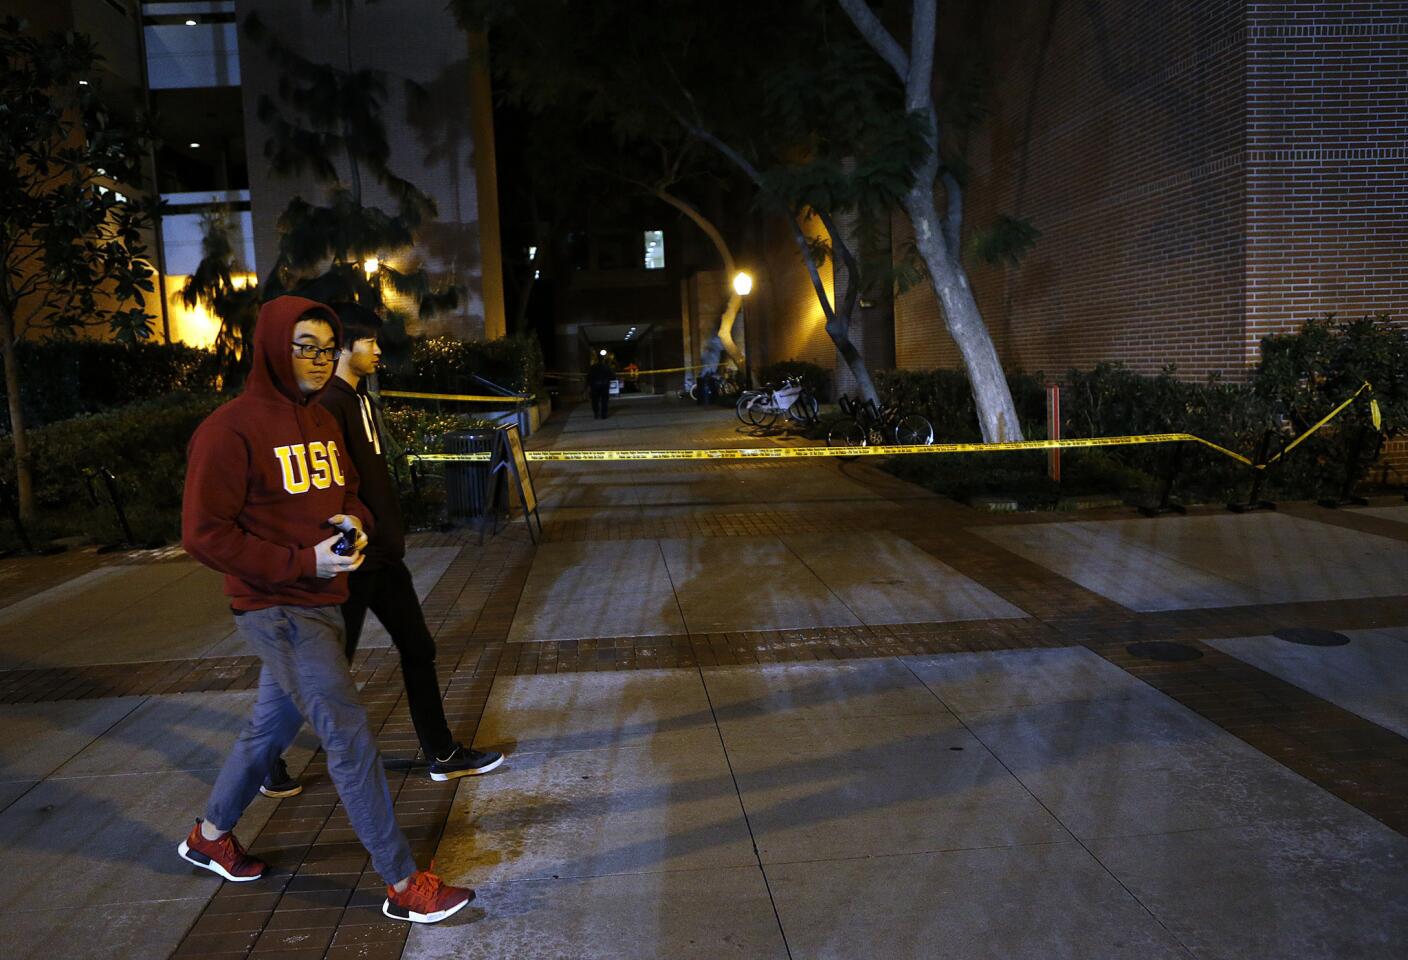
[{"x": 467, "y": 490}]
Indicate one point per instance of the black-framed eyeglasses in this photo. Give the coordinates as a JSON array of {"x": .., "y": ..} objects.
[{"x": 311, "y": 351}]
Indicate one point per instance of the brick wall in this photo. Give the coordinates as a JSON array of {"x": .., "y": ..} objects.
[
  {"x": 794, "y": 327},
  {"x": 1233, "y": 172},
  {"x": 1123, "y": 145},
  {"x": 1327, "y": 165}
]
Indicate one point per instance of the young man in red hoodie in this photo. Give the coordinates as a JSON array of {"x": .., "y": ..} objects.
[
  {"x": 268, "y": 488},
  {"x": 383, "y": 584}
]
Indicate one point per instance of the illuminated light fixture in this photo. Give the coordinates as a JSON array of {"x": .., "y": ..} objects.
[
  {"x": 195, "y": 144},
  {"x": 371, "y": 265},
  {"x": 190, "y": 23},
  {"x": 83, "y": 83},
  {"x": 602, "y": 352},
  {"x": 742, "y": 284}
]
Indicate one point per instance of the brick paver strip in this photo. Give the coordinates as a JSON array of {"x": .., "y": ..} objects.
[{"x": 324, "y": 901}]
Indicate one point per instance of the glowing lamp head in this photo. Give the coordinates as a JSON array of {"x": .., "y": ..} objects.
[{"x": 742, "y": 284}]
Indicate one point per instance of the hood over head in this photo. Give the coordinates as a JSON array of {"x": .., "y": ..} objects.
[{"x": 272, "y": 373}]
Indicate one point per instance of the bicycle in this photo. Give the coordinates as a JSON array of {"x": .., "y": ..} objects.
[
  {"x": 762, "y": 408},
  {"x": 867, "y": 425},
  {"x": 724, "y": 385}
]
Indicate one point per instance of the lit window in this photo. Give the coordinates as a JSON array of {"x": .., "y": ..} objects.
[{"x": 655, "y": 250}]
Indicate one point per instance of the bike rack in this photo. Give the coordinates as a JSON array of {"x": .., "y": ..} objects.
[
  {"x": 1260, "y": 469},
  {"x": 1354, "y": 468},
  {"x": 128, "y": 541},
  {"x": 1166, "y": 502}
]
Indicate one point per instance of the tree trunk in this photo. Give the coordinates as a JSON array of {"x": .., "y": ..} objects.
[
  {"x": 938, "y": 238},
  {"x": 997, "y": 414},
  {"x": 735, "y": 302},
  {"x": 838, "y": 318},
  {"x": 24, "y": 478}
]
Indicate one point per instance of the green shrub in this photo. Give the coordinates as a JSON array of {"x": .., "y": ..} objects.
[
  {"x": 1305, "y": 375},
  {"x": 143, "y": 444},
  {"x": 1302, "y": 377},
  {"x": 65, "y": 378},
  {"x": 447, "y": 365},
  {"x": 416, "y": 430},
  {"x": 944, "y": 397},
  {"x": 1113, "y": 401},
  {"x": 815, "y": 378}
]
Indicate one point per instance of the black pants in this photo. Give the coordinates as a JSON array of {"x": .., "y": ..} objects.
[
  {"x": 388, "y": 591},
  {"x": 600, "y": 397}
]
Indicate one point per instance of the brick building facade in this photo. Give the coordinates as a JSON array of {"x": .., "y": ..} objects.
[
  {"x": 1203, "y": 173},
  {"x": 1230, "y": 174}
]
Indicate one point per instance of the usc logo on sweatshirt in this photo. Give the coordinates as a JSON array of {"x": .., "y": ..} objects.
[{"x": 313, "y": 466}]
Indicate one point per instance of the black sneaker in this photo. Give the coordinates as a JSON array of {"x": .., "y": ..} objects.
[
  {"x": 464, "y": 762},
  {"x": 279, "y": 783}
]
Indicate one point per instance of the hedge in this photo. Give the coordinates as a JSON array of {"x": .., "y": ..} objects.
[{"x": 67, "y": 378}]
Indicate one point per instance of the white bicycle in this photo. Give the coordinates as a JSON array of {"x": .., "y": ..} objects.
[{"x": 763, "y": 408}]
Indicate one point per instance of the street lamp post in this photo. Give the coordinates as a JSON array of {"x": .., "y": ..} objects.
[{"x": 743, "y": 285}]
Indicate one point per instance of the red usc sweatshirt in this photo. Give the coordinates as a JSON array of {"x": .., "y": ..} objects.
[{"x": 264, "y": 473}]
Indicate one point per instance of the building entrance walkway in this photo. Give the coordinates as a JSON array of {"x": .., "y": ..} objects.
[{"x": 759, "y": 709}]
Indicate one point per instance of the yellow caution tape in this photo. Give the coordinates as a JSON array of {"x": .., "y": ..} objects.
[
  {"x": 1373, "y": 413},
  {"x": 459, "y": 397},
  {"x": 784, "y": 453},
  {"x": 787, "y": 453}
]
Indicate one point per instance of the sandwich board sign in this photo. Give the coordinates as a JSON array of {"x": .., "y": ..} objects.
[{"x": 508, "y": 456}]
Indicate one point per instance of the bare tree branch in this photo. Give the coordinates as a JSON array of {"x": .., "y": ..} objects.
[
  {"x": 918, "y": 84},
  {"x": 877, "y": 36}
]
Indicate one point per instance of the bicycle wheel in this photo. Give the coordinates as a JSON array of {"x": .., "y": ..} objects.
[
  {"x": 913, "y": 430},
  {"x": 745, "y": 399},
  {"x": 846, "y": 433},
  {"x": 764, "y": 416},
  {"x": 803, "y": 412}
]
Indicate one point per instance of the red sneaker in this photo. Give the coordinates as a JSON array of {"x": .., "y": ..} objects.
[
  {"x": 224, "y": 856},
  {"x": 426, "y": 899}
]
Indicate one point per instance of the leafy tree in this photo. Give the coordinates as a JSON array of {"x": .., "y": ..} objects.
[
  {"x": 71, "y": 247},
  {"x": 236, "y": 307},
  {"x": 326, "y": 113},
  {"x": 938, "y": 235}
]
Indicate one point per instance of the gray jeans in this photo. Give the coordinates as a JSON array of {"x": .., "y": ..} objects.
[{"x": 305, "y": 675}]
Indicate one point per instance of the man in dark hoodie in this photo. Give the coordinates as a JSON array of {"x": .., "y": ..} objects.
[
  {"x": 267, "y": 479},
  {"x": 383, "y": 584}
]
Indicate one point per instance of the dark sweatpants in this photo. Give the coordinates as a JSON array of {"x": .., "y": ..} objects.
[
  {"x": 600, "y": 397},
  {"x": 388, "y": 591}
]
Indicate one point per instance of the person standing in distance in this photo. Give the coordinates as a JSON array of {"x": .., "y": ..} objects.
[
  {"x": 266, "y": 481},
  {"x": 383, "y": 584},
  {"x": 599, "y": 385}
]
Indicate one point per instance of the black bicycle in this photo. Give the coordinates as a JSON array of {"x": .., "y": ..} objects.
[{"x": 866, "y": 424}]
